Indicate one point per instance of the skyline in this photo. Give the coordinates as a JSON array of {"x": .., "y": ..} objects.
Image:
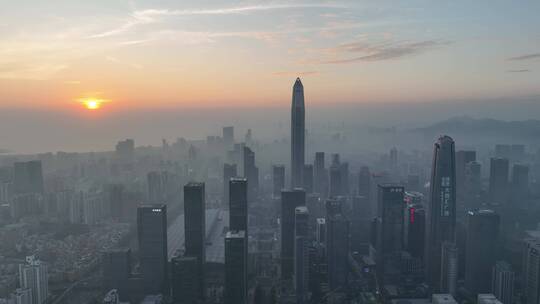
[
  {"x": 40, "y": 131},
  {"x": 270, "y": 152},
  {"x": 144, "y": 54}
]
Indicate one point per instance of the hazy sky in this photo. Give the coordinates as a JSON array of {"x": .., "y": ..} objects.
[{"x": 195, "y": 53}]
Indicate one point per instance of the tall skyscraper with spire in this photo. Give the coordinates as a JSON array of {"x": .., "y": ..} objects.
[
  {"x": 441, "y": 225},
  {"x": 297, "y": 134}
]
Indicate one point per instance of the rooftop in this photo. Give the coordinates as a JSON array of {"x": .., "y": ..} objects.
[
  {"x": 443, "y": 298},
  {"x": 236, "y": 234},
  {"x": 301, "y": 209}
]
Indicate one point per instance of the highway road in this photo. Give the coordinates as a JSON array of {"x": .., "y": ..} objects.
[
  {"x": 216, "y": 220},
  {"x": 215, "y": 249}
]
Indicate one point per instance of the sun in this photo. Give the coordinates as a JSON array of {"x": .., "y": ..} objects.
[{"x": 92, "y": 103}]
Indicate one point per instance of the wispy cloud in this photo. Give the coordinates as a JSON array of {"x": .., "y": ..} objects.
[
  {"x": 525, "y": 57},
  {"x": 383, "y": 51},
  {"x": 134, "y": 42},
  {"x": 518, "y": 71},
  {"x": 201, "y": 37},
  {"x": 132, "y": 22},
  {"x": 148, "y": 16},
  {"x": 150, "y": 13}
]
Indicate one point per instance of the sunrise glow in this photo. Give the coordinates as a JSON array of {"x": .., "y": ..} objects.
[{"x": 92, "y": 103}]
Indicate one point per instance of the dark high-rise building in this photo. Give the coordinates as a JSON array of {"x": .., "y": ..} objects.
[
  {"x": 238, "y": 204},
  {"x": 321, "y": 231},
  {"x": 498, "y": 180},
  {"x": 307, "y": 177},
  {"x": 185, "y": 280},
  {"x": 251, "y": 172},
  {"x": 152, "y": 236},
  {"x": 473, "y": 184},
  {"x": 441, "y": 224},
  {"x": 449, "y": 268},
  {"x": 289, "y": 201},
  {"x": 335, "y": 179},
  {"x": 27, "y": 177},
  {"x": 298, "y": 130},
  {"x": 194, "y": 227},
  {"x": 391, "y": 205},
  {"x": 502, "y": 285},
  {"x": 315, "y": 205},
  {"x": 481, "y": 253},
  {"x": 228, "y": 136},
  {"x": 278, "y": 180},
  {"x": 520, "y": 182},
  {"x": 531, "y": 271},
  {"x": 360, "y": 223},
  {"x": 462, "y": 159},
  {"x": 344, "y": 172},
  {"x": 229, "y": 171},
  {"x": 414, "y": 227},
  {"x": 390, "y": 211},
  {"x": 319, "y": 174},
  {"x": 116, "y": 266},
  {"x": 376, "y": 224},
  {"x": 375, "y": 180},
  {"x": 337, "y": 250},
  {"x": 235, "y": 291},
  {"x": 301, "y": 254},
  {"x": 364, "y": 182}
]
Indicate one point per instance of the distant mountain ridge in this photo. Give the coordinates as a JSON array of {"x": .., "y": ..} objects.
[{"x": 486, "y": 126}]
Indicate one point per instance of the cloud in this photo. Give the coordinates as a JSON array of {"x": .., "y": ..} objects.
[
  {"x": 381, "y": 52},
  {"x": 294, "y": 74},
  {"x": 148, "y": 16},
  {"x": 201, "y": 37},
  {"x": 128, "y": 25},
  {"x": 525, "y": 57},
  {"x": 152, "y": 13},
  {"x": 518, "y": 71},
  {"x": 134, "y": 42}
]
